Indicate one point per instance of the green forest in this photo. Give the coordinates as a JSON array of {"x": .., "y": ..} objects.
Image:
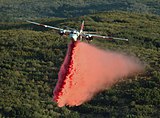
[
  {"x": 12, "y": 10},
  {"x": 31, "y": 56}
]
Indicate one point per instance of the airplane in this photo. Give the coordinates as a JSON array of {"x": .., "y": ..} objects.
[{"x": 76, "y": 35}]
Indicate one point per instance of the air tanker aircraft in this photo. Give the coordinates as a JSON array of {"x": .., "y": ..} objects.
[{"x": 76, "y": 35}]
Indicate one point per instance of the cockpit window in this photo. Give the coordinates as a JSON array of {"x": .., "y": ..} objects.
[{"x": 73, "y": 32}]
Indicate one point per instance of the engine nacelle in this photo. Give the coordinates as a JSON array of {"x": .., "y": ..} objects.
[
  {"x": 61, "y": 32},
  {"x": 89, "y": 38}
]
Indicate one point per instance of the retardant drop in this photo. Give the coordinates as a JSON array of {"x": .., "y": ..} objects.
[{"x": 88, "y": 70}]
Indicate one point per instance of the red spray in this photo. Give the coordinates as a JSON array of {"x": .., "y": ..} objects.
[{"x": 88, "y": 70}]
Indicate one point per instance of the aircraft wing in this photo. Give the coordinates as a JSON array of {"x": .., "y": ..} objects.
[
  {"x": 89, "y": 32},
  {"x": 104, "y": 37},
  {"x": 55, "y": 28}
]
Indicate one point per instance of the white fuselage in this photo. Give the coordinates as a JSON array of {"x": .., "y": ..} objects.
[{"x": 74, "y": 35}]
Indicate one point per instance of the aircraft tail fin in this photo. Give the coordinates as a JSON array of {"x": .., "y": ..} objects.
[{"x": 82, "y": 26}]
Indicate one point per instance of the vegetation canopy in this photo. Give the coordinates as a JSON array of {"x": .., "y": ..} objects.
[
  {"x": 30, "y": 58},
  {"x": 21, "y": 9}
]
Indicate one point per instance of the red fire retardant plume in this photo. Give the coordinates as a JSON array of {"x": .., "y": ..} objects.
[{"x": 88, "y": 70}]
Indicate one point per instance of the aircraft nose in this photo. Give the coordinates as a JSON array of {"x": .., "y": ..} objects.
[{"x": 73, "y": 39}]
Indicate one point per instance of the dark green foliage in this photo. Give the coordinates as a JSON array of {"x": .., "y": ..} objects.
[
  {"x": 30, "y": 61},
  {"x": 19, "y": 9}
]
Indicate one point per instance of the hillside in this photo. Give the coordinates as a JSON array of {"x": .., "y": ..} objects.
[
  {"x": 31, "y": 57},
  {"x": 21, "y": 9}
]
